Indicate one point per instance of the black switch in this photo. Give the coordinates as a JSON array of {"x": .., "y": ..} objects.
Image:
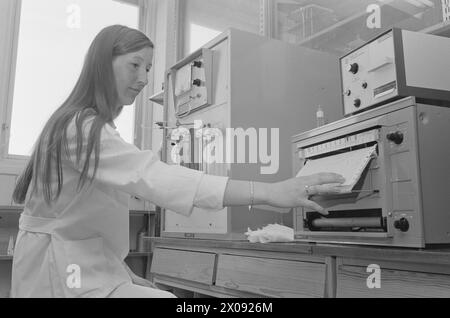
[
  {"x": 357, "y": 103},
  {"x": 396, "y": 137},
  {"x": 197, "y": 82},
  {"x": 198, "y": 64},
  {"x": 353, "y": 68},
  {"x": 402, "y": 225}
]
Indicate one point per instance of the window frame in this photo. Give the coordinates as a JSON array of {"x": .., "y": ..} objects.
[
  {"x": 266, "y": 11},
  {"x": 10, "y": 163}
]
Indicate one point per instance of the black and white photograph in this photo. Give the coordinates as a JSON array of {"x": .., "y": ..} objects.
[{"x": 243, "y": 150}]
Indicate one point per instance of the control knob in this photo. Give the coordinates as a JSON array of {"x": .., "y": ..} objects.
[
  {"x": 357, "y": 103},
  {"x": 402, "y": 225},
  {"x": 353, "y": 68},
  {"x": 198, "y": 64},
  {"x": 396, "y": 137},
  {"x": 197, "y": 82}
]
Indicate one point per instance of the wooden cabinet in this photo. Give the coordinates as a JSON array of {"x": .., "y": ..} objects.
[
  {"x": 240, "y": 275},
  {"x": 358, "y": 279},
  {"x": 242, "y": 269}
]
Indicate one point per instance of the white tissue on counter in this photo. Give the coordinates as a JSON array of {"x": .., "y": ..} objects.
[{"x": 271, "y": 233}]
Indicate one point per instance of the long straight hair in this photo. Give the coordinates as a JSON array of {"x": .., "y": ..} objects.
[{"x": 95, "y": 94}]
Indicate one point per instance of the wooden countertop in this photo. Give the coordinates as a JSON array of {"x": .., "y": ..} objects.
[{"x": 436, "y": 256}]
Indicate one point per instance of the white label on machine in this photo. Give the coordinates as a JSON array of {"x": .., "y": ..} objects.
[
  {"x": 342, "y": 143},
  {"x": 183, "y": 80},
  {"x": 350, "y": 165},
  {"x": 200, "y": 221}
]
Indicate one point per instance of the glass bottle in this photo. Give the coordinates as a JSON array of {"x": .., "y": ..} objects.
[{"x": 320, "y": 116}]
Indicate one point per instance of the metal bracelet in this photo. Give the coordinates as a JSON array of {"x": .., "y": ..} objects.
[{"x": 252, "y": 196}]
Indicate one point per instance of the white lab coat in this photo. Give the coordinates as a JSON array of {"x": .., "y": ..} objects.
[{"x": 76, "y": 247}]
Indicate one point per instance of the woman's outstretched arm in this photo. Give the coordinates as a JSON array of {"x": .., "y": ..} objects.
[{"x": 294, "y": 192}]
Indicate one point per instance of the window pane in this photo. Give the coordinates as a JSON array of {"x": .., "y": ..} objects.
[
  {"x": 53, "y": 40},
  {"x": 205, "y": 19},
  {"x": 338, "y": 26}
]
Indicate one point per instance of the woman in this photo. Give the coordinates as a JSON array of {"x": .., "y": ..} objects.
[{"x": 73, "y": 235}]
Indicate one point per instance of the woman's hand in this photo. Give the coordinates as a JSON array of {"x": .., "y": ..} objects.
[{"x": 295, "y": 192}]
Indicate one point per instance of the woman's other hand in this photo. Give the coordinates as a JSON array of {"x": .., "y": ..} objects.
[{"x": 295, "y": 192}]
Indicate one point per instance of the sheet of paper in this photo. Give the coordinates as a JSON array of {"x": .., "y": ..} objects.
[{"x": 350, "y": 165}]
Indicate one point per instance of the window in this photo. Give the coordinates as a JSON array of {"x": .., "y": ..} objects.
[
  {"x": 54, "y": 36},
  {"x": 338, "y": 26},
  {"x": 200, "y": 35},
  {"x": 205, "y": 19}
]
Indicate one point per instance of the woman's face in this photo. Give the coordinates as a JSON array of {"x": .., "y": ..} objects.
[{"x": 131, "y": 73}]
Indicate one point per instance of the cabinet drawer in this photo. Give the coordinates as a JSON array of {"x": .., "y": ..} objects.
[
  {"x": 271, "y": 277},
  {"x": 355, "y": 281},
  {"x": 193, "y": 266}
]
